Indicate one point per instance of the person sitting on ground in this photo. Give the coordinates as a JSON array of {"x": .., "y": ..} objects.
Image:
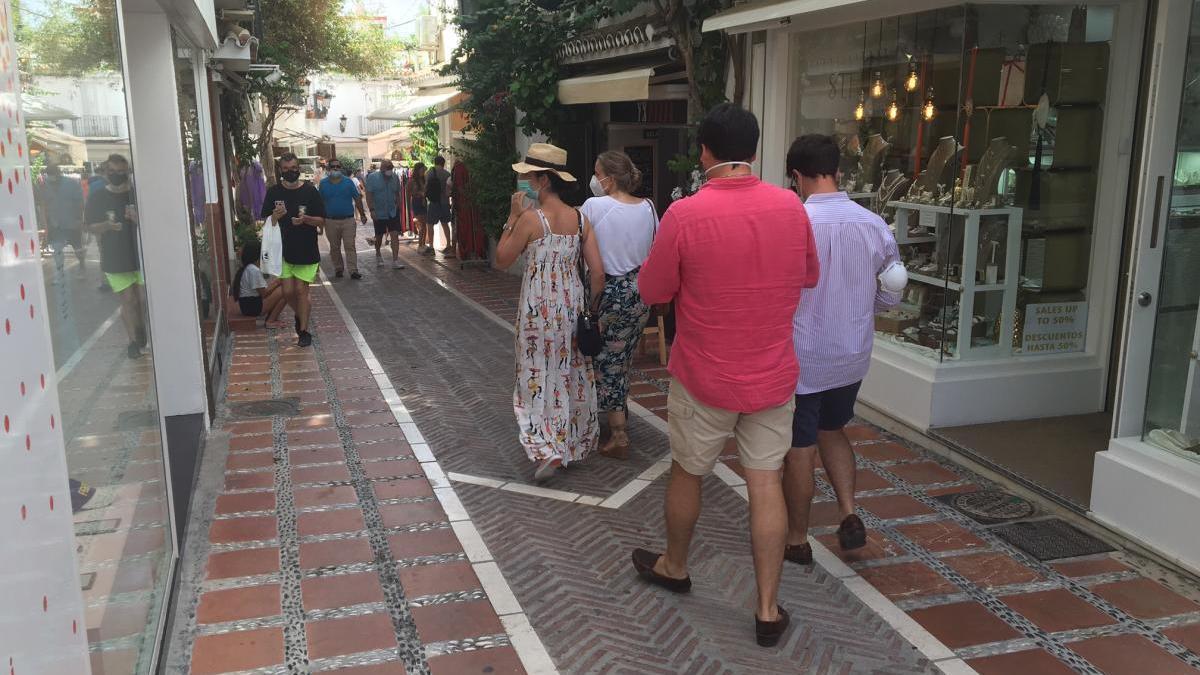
[{"x": 255, "y": 295}]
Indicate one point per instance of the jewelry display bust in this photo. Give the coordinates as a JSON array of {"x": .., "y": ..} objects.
[
  {"x": 872, "y": 159},
  {"x": 939, "y": 162},
  {"x": 995, "y": 161}
]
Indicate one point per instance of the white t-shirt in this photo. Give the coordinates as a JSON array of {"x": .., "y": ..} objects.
[
  {"x": 623, "y": 231},
  {"x": 252, "y": 280}
]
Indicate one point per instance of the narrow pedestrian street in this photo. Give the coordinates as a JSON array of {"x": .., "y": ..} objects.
[{"x": 373, "y": 512}]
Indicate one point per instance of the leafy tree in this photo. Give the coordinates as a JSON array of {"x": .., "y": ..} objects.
[
  {"x": 425, "y": 138},
  {"x": 67, "y": 37}
]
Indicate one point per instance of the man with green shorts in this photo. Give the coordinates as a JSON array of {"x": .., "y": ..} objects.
[
  {"x": 111, "y": 214},
  {"x": 298, "y": 208}
]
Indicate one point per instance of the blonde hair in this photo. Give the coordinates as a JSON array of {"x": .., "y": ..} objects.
[{"x": 621, "y": 170}]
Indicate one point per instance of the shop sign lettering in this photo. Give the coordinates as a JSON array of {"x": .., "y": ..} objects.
[{"x": 1055, "y": 328}]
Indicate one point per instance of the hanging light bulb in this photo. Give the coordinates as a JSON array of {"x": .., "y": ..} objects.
[
  {"x": 877, "y": 87},
  {"x": 912, "y": 81},
  {"x": 929, "y": 110},
  {"x": 893, "y": 109},
  {"x": 860, "y": 110}
]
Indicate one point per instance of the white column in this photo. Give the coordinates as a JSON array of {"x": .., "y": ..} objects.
[{"x": 158, "y": 166}]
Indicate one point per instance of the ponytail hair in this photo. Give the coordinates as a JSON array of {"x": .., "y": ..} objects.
[{"x": 621, "y": 169}]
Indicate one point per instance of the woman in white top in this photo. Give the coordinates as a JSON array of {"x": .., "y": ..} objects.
[{"x": 625, "y": 227}]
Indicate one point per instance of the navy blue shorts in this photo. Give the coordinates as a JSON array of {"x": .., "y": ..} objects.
[{"x": 822, "y": 411}]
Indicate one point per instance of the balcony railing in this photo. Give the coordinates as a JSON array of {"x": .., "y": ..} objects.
[
  {"x": 371, "y": 127},
  {"x": 100, "y": 126}
]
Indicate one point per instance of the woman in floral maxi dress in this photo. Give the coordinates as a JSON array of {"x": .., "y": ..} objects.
[{"x": 555, "y": 394}]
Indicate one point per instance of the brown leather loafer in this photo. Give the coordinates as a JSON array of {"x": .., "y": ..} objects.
[
  {"x": 801, "y": 554},
  {"x": 644, "y": 561},
  {"x": 852, "y": 533},
  {"x": 768, "y": 633}
]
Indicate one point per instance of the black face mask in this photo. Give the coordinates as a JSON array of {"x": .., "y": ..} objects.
[
  {"x": 291, "y": 176},
  {"x": 118, "y": 178}
]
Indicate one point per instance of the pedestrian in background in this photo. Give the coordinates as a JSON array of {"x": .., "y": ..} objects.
[
  {"x": 341, "y": 198},
  {"x": 555, "y": 397},
  {"x": 624, "y": 227},
  {"x": 60, "y": 207},
  {"x": 437, "y": 191},
  {"x": 383, "y": 200},
  {"x": 834, "y": 331},
  {"x": 418, "y": 209},
  {"x": 733, "y": 258},
  {"x": 111, "y": 214},
  {"x": 298, "y": 208}
]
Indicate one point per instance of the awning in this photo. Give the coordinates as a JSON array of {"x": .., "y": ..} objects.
[
  {"x": 409, "y": 108},
  {"x": 38, "y": 110},
  {"x": 381, "y": 144},
  {"x": 817, "y": 13},
  {"x": 59, "y": 143},
  {"x": 627, "y": 85}
]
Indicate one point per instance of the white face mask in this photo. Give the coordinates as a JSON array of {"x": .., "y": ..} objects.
[
  {"x": 596, "y": 186},
  {"x": 717, "y": 166}
]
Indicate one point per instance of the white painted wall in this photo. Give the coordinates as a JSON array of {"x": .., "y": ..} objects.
[
  {"x": 41, "y": 627},
  {"x": 353, "y": 98}
]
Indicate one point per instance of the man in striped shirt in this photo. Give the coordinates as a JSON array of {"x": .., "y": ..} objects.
[{"x": 834, "y": 329}]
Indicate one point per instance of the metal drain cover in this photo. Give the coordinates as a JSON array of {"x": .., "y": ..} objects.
[
  {"x": 1051, "y": 539},
  {"x": 990, "y": 507},
  {"x": 275, "y": 407},
  {"x": 137, "y": 419}
]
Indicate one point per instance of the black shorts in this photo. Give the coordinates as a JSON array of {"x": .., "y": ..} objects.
[
  {"x": 385, "y": 225},
  {"x": 822, "y": 411},
  {"x": 252, "y": 306},
  {"x": 417, "y": 206},
  {"x": 438, "y": 213}
]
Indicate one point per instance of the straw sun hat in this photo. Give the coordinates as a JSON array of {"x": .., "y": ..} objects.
[{"x": 545, "y": 157}]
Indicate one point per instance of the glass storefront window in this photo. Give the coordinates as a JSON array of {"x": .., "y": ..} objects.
[
  {"x": 973, "y": 131},
  {"x": 1172, "y": 419},
  {"x": 85, "y": 186}
]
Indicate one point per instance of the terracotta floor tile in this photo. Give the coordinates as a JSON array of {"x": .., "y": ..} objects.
[
  {"x": 417, "y": 544},
  {"x": 1145, "y": 598},
  {"x": 866, "y": 480},
  {"x": 964, "y": 624},
  {"x": 1089, "y": 567},
  {"x": 330, "y": 522},
  {"x": 116, "y": 620},
  {"x": 296, "y": 439},
  {"x": 1129, "y": 655},
  {"x": 317, "y": 455},
  {"x": 953, "y": 490},
  {"x": 894, "y": 506},
  {"x": 340, "y": 552},
  {"x": 1031, "y": 662},
  {"x": 400, "y": 489},
  {"x": 497, "y": 661},
  {"x": 255, "y": 442},
  {"x": 824, "y": 514},
  {"x": 326, "y": 495},
  {"x": 241, "y": 650},
  {"x": 389, "y": 468},
  {"x": 364, "y": 406},
  {"x": 234, "y": 604},
  {"x": 877, "y": 547},
  {"x": 336, "y": 637},
  {"x": 1057, "y": 610},
  {"x": 245, "y": 501},
  {"x": 455, "y": 621},
  {"x": 907, "y": 580},
  {"x": 245, "y": 563},
  {"x": 114, "y": 662},
  {"x": 372, "y": 451},
  {"x": 381, "y": 434},
  {"x": 1188, "y": 636},
  {"x": 390, "y": 668},
  {"x": 245, "y": 428},
  {"x": 370, "y": 419},
  {"x": 395, "y": 515},
  {"x": 862, "y": 432},
  {"x": 258, "y": 528},
  {"x": 310, "y": 422},
  {"x": 924, "y": 473},
  {"x": 434, "y": 579},
  {"x": 942, "y": 535},
  {"x": 989, "y": 570},
  {"x": 320, "y": 474},
  {"x": 249, "y": 460},
  {"x": 341, "y": 590},
  {"x": 885, "y": 452},
  {"x": 246, "y": 481},
  {"x": 653, "y": 401}
]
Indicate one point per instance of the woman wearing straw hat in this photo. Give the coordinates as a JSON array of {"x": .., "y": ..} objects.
[{"x": 555, "y": 396}]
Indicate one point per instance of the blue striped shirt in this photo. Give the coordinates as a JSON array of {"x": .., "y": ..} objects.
[{"x": 834, "y": 327}]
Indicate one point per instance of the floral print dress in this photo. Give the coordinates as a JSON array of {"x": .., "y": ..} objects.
[{"x": 555, "y": 397}]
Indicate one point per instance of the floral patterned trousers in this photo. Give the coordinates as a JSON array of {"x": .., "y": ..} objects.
[{"x": 623, "y": 316}]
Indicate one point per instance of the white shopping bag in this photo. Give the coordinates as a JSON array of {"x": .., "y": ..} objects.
[{"x": 272, "y": 248}]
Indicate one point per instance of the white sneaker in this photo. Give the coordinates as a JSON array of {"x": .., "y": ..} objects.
[
  {"x": 378, "y": 259},
  {"x": 397, "y": 265}
]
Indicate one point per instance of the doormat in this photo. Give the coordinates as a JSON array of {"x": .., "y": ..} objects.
[
  {"x": 1051, "y": 539},
  {"x": 989, "y": 507},
  {"x": 131, "y": 420},
  {"x": 275, "y": 407}
]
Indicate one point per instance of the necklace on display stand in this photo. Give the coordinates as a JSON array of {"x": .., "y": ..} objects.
[
  {"x": 945, "y": 151},
  {"x": 872, "y": 158}
]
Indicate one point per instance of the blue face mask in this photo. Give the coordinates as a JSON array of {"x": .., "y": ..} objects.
[{"x": 526, "y": 187}]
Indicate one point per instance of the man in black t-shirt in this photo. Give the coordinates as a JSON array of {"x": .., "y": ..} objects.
[
  {"x": 437, "y": 191},
  {"x": 298, "y": 208},
  {"x": 111, "y": 214}
]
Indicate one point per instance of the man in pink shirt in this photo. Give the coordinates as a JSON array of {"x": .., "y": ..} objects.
[{"x": 733, "y": 258}]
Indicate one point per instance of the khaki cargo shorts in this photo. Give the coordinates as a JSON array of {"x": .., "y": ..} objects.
[{"x": 699, "y": 433}]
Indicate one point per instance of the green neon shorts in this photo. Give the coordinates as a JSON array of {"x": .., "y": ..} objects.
[
  {"x": 305, "y": 273},
  {"x": 119, "y": 281}
]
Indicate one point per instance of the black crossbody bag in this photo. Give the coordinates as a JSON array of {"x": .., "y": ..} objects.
[{"x": 587, "y": 329}]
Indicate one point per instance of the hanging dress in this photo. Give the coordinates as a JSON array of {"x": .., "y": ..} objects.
[{"x": 555, "y": 396}]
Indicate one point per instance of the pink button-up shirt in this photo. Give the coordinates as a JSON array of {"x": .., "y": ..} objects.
[{"x": 734, "y": 258}]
